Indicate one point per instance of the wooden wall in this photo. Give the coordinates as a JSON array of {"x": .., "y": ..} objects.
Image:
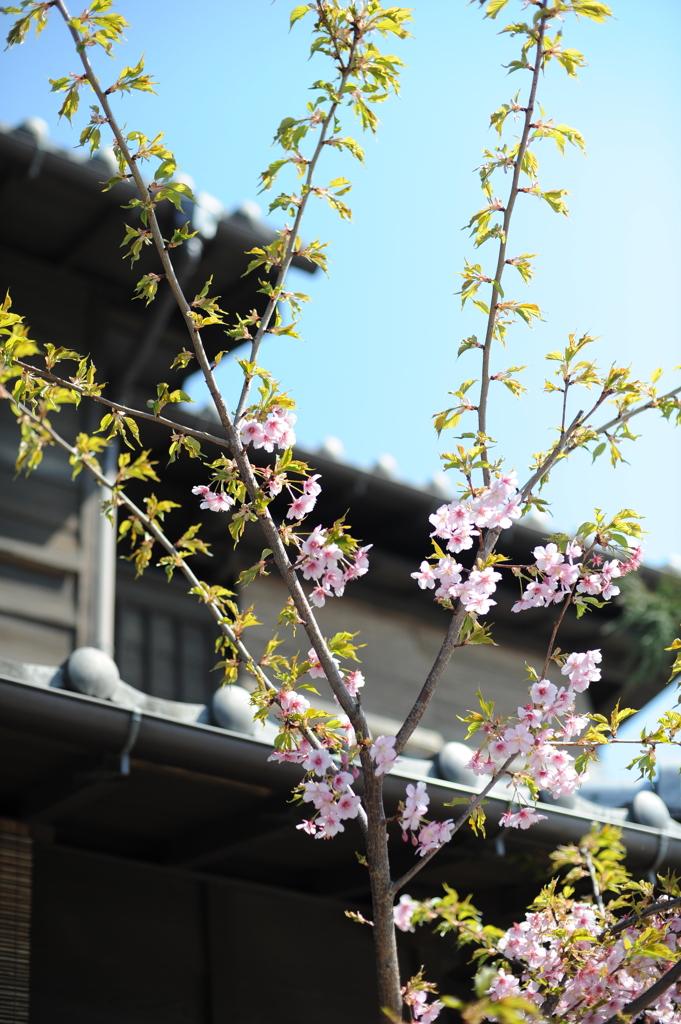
[
  {"x": 400, "y": 651},
  {"x": 116, "y": 941}
]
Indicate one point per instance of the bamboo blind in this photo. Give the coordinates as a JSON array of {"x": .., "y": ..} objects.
[{"x": 15, "y": 920}]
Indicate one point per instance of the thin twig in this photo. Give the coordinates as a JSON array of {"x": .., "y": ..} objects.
[
  {"x": 415, "y": 868},
  {"x": 302, "y": 605},
  {"x": 557, "y": 624},
  {"x": 155, "y": 530},
  {"x": 306, "y": 192},
  {"x": 553, "y": 455},
  {"x": 655, "y": 908},
  {"x": 624, "y": 417},
  {"x": 508, "y": 212},
  {"x": 140, "y": 414},
  {"x": 635, "y": 1007},
  {"x": 598, "y": 896}
]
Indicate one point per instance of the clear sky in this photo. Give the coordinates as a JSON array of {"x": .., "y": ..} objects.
[{"x": 379, "y": 353}]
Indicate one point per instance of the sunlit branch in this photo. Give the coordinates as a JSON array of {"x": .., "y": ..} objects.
[
  {"x": 306, "y": 192},
  {"x": 139, "y": 414},
  {"x": 157, "y": 236},
  {"x": 508, "y": 212},
  {"x": 287, "y": 570},
  {"x": 632, "y": 1009},
  {"x": 655, "y": 908},
  {"x": 474, "y": 804},
  {"x": 625, "y": 416},
  {"x": 598, "y": 896}
]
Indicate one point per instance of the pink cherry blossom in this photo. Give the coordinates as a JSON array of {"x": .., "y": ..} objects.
[
  {"x": 329, "y": 823},
  {"x": 429, "y": 1012},
  {"x": 275, "y": 432},
  {"x": 481, "y": 765},
  {"x": 425, "y": 576},
  {"x": 318, "y": 793},
  {"x": 348, "y": 805},
  {"x": 354, "y": 681},
  {"x": 316, "y": 671},
  {"x": 300, "y": 506},
  {"x": 383, "y": 752},
  {"x": 251, "y": 432},
  {"x": 216, "y": 501},
  {"x": 548, "y": 557},
  {"x": 461, "y": 538},
  {"x": 591, "y": 584},
  {"x": 434, "y": 835},
  {"x": 314, "y": 544},
  {"x": 415, "y": 806},
  {"x": 633, "y": 562},
  {"x": 342, "y": 781},
  {"x": 403, "y": 913},
  {"x": 573, "y": 550},
  {"x": 503, "y": 985},
  {"x": 292, "y": 703},
  {"x": 318, "y": 761},
  {"x": 521, "y": 819},
  {"x": 543, "y": 692},
  {"x": 312, "y": 487},
  {"x": 318, "y": 596}
]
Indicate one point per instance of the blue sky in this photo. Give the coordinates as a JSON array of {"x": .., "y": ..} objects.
[{"x": 380, "y": 338}]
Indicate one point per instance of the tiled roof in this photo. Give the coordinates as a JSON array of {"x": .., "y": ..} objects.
[{"x": 91, "y": 674}]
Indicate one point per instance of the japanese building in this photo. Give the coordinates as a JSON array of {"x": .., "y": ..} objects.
[{"x": 150, "y": 867}]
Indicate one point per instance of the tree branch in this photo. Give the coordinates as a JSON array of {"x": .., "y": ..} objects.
[
  {"x": 414, "y": 870},
  {"x": 155, "y": 530},
  {"x": 598, "y": 896},
  {"x": 624, "y": 417},
  {"x": 346, "y": 71},
  {"x": 508, "y": 212},
  {"x": 655, "y": 908},
  {"x": 334, "y": 677},
  {"x": 139, "y": 414},
  {"x": 157, "y": 533},
  {"x": 635, "y": 1007},
  {"x": 551, "y": 458},
  {"x": 144, "y": 192}
]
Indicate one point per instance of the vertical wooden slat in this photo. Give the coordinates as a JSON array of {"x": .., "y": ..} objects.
[{"x": 16, "y": 857}]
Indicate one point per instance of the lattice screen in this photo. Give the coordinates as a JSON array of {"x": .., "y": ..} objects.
[{"x": 16, "y": 856}]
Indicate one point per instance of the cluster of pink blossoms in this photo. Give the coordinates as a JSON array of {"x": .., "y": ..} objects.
[
  {"x": 607, "y": 976},
  {"x": 475, "y": 593},
  {"x": 383, "y": 752},
  {"x": 327, "y": 787},
  {"x": 323, "y": 561},
  {"x": 332, "y": 797},
  {"x": 495, "y": 507},
  {"x": 557, "y": 576},
  {"x": 429, "y": 836},
  {"x": 546, "y": 720},
  {"x": 423, "y": 1011},
  {"x": 403, "y": 913},
  {"x": 216, "y": 501},
  {"x": 274, "y": 430}
]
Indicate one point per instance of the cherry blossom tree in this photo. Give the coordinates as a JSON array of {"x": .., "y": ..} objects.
[{"x": 583, "y": 960}]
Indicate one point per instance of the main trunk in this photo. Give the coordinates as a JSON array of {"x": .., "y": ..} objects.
[{"x": 387, "y": 967}]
